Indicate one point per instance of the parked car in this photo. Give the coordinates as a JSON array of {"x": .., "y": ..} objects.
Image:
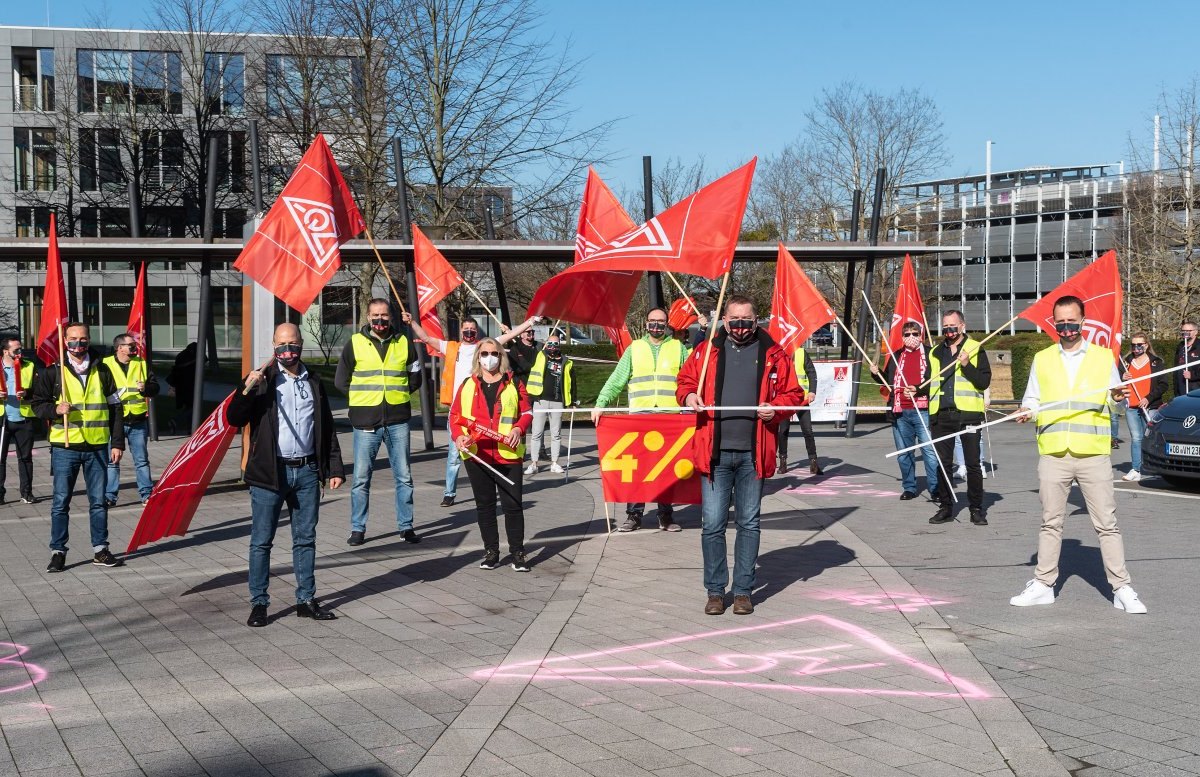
[{"x": 1172, "y": 447}]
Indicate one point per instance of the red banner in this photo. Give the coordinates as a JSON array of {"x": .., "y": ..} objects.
[
  {"x": 137, "y": 313},
  {"x": 798, "y": 309},
  {"x": 909, "y": 307},
  {"x": 176, "y": 495},
  {"x": 297, "y": 247},
  {"x": 1099, "y": 286},
  {"x": 54, "y": 303},
  {"x": 647, "y": 457}
]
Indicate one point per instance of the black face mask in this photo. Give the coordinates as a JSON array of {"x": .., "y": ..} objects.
[
  {"x": 656, "y": 328},
  {"x": 741, "y": 330},
  {"x": 381, "y": 324},
  {"x": 1138, "y": 350},
  {"x": 553, "y": 351},
  {"x": 1068, "y": 332},
  {"x": 950, "y": 333},
  {"x": 470, "y": 336},
  {"x": 78, "y": 347},
  {"x": 16, "y": 354},
  {"x": 287, "y": 354}
]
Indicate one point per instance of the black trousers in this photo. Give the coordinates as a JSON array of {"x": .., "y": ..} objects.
[
  {"x": 804, "y": 417},
  {"x": 949, "y": 422},
  {"x": 485, "y": 487},
  {"x": 19, "y": 433}
]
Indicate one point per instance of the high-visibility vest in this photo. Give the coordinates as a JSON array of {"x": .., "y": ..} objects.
[
  {"x": 510, "y": 410},
  {"x": 133, "y": 402},
  {"x": 967, "y": 398},
  {"x": 88, "y": 417},
  {"x": 537, "y": 377},
  {"x": 1081, "y": 426},
  {"x": 651, "y": 382},
  {"x": 26, "y": 383},
  {"x": 801, "y": 375},
  {"x": 376, "y": 380}
]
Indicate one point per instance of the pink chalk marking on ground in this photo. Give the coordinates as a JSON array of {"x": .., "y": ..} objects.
[
  {"x": 883, "y": 601},
  {"x": 839, "y": 485},
  {"x": 35, "y": 673},
  {"x": 729, "y": 664}
]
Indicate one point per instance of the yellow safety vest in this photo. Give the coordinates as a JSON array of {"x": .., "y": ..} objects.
[
  {"x": 967, "y": 398},
  {"x": 537, "y": 377},
  {"x": 132, "y": 400},
  {"x": 1081, "y": 426},
  {"x": 801, "y": 375},
  {"x": 652, "y": 383},
  {"x": 88, "y": 417},
  {"x": 510, "y": 410},
  {"x": 377, "y": 380}
]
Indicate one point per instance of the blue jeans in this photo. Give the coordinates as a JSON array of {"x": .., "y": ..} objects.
[
  {"x": 135, "y": 446},
  {"x": 1137, "y": 432},
  {"x": 910, "y": 429},
  {"x": 733, "y": 479},
  {"x": 265, "y": 504},
  {"x": 366, "y": 445},
  {"x": 453, "y": 462},
  {"x": 64, "y": 467}
]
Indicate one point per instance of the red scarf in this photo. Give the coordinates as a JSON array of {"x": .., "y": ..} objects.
[{"x": 899, "y": 381}]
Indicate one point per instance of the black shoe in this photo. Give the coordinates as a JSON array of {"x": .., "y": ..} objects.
[
  {"x": 357, "y": 538},
  {"x": 907, "y": 495},
  {"x": 491, "y": 559},
  {"x": 944, "y": 515},
  {"x": 29, "y": 499},
  {"x": 978, "y": 518},
  {"x": 411, "y": 536},
  {"x": 58, "y": 560},
  {"x": 110, "y": 502},
  {"x": 106, "y": 559},
  {"x": 312, "y": 609},
  {"x": 258, "y": 616},
  {"x": 518, "y": 561},
  {"x": 447, "y": 501}
]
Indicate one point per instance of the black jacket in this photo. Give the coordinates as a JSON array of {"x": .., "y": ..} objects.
[
  {"x": 1158, "y": 385},
  {"x": 151, "y": 390},
  {"x": 520, "y": 358},
  {"x": 1184, "y": 386},
  {"x": 385, "y": 413},
  {"x": 47, "y": 387},
  {"x": 258, "y": 410}
]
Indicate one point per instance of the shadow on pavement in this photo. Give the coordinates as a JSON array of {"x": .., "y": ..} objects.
[
  {"x": 1082, "y": 561},
  {"x": 780, "y": 568}
]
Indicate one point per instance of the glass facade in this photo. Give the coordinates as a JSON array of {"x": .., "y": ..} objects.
[
  {"x": 146, "y": 81},
  {"x": 35, "y": 160}
]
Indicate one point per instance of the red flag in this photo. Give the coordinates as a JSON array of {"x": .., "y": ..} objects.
[
  {"x": 54, "y": 302},
  {"x": 909, "y": 307},
  {"x": 601, "y": 298},
  {"x": 696, "y": 235},
  {"x": 297, "y": 247},
  {"x": 435, "y": 276},
  {"x": 683, "y": 314},
  {"x": 1099, "y": 286},
  {"x": 173, "y": 503},
  {"x": 433, "y": 328},
  {"x": 620, "y": 338},
  {"x": 798, "y": 309},
  {"x": 137, "y": 314},
  {"x": 648, "y": 458}
]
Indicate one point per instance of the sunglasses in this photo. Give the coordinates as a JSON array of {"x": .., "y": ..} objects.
[
  {"x": 489, "y": 353},
  {"x": 912, "y": 333}
]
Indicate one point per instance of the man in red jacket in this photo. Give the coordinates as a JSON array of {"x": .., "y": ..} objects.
[{"x": 745, "y": 369}]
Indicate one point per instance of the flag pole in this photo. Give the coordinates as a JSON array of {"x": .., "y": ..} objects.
[
  {"x": 481, "y": 302},
  {"x": 62, "y": 383},
  {"x": 712, "y": 331},
  {"x": 683, "y": 293},
  {"x": 386, "y": 274},
  {"x": 265, "y": 364}
]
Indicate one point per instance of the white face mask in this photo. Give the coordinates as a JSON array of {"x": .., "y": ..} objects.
[{"x": 489, "y": 363}]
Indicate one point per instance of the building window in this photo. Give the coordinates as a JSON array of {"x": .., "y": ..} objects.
[
  {"x": 36, "y": 161},
  {"x": 147, "y": 81},
  {"x": 231, "y": 161},
  {"x": 29, "y": 311},
  {"x": 104, "y": 222},
  {"x": 303, "y": 84},
  {"x": 106, "y": 311},
  {"x": 230, "y": 223},
  {"x": 100, "y": 160},
  {"x": 164, "y": 221},
  {"x": 227, "y": 316},
  {"x": 168, "y": 317},
  {"x": 33, "y": 76},
  {"x": 33, "y": 221},
  {"x": 162, "y": 159},
  {"x": 224, "y": 83}
]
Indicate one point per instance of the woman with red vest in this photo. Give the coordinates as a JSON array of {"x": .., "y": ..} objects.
[{"x": 489, "y": 418}]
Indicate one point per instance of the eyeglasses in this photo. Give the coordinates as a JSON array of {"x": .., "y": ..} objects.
[{"x": 489, "y": 353}]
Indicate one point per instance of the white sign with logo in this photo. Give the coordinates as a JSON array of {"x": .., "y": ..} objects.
[{"x": 834, "y": 379}]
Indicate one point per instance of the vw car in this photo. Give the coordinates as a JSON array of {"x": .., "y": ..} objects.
[{"x": 1172, "y": 447}]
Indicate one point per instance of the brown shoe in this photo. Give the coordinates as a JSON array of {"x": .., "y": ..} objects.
[
  {"x": 742, "y": 605},
  {"x": 715, "y": 605},
  {"x": 781, "y": 464},
  {"x": 814, "y": 467}
]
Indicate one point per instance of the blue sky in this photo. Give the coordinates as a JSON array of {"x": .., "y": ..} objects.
[{"x": 1055, "y": 83}]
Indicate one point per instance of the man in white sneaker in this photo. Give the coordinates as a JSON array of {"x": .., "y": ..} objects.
[
  {"x": 1074, "y": 443},
  {"x": 550, "y": 388}
]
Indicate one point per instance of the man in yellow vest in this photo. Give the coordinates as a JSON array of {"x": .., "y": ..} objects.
[
  {"x": 551, "y": 388},
  {"x": 378, "y": 373},
  {"x": 1074, "y": 444},
  {"x": 960, "y": 374},
  {"x": 80, "y": 400},
  {"x": 806, "y": 375},
  {"x": 648, "y": 369},
  {"x": 457, "y": 356},
  {"x": 17, "y": 428},
  {"x": 136, "y": 383}
]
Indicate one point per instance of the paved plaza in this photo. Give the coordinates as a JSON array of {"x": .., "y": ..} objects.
[{"x": 881, "y": 645}]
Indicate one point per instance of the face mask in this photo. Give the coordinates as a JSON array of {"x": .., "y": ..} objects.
[
  {"x": 470, "y": 336},
  {"x": 490, "y": 363},
  {"x": 1138, "y": 350},
  {"x": 741, "y": 330},
  {"x": 1068, "y": 332},
  {"x": 1188, "y": 336},
  {"x": 656, "y": 328},
  {"x": 912, "y": 341},
  {"x": 16, "y": 354},
  {"x": 553, "y": 351},
  {"x": 381, "y": 324},
  {"x": 950, "y": 333},
  {"x": 78, "y": 347},
  {"x": 288, "y": 354}
]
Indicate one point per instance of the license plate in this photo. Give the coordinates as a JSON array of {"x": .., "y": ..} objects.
[{"x": 1179, "y": 449}]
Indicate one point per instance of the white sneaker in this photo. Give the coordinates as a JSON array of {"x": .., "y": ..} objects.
[
  {"x": 1035, "y": 593},
  {"x": 555, "y": 468},
  {"x": 961, "y": 472},
  {"x": 531, "y": 469},
  {"x": 1125, "y": 598},
  {"x": 1132, "y": 475},
  {"x": 984, "y": 469}
]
